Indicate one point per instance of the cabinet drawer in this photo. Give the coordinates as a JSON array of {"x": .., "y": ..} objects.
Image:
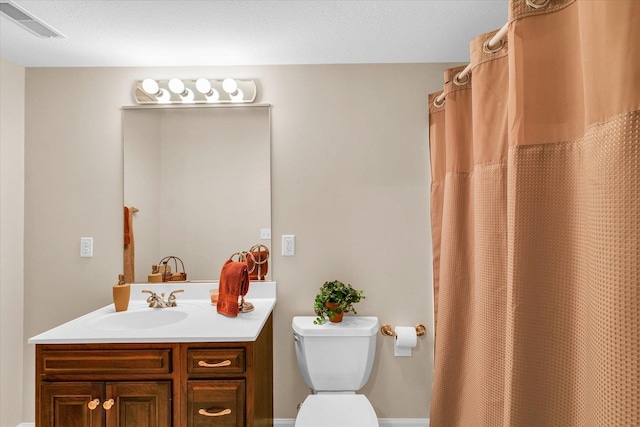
[
  {"x": 215, "y": 361},
  {"x": 62, "y": 362},
  {"x": 219, "y": 403}
]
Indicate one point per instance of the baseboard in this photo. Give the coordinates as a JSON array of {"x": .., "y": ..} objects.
[
  {"x": 404, "y": 422},
  {"x": 384, "y": 422}
]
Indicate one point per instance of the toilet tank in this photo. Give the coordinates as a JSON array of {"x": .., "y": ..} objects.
[{"x": 335, "y": 356}]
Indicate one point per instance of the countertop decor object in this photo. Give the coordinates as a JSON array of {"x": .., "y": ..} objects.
[
  {"x": 165, "y": 268},
  {"x": 121, "y": 294}
]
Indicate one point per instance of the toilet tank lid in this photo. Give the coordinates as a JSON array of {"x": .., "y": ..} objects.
[{"x": 350, "y": 326}]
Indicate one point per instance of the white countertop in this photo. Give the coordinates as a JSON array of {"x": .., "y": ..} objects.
[{"x": 194, "y": 319}]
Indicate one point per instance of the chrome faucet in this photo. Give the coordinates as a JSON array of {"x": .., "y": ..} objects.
[{"x": 156, "y": 301}]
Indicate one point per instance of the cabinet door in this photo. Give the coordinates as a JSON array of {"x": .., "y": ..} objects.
[
  {"x": 138, "y": 404},
  {"x": 216, "y": 403},
  {"x": 64, "y": 404}
]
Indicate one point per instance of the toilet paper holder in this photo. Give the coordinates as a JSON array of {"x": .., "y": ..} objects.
[{"x": 387, "y": 330}]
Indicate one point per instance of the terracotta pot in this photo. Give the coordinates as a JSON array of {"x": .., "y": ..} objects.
[{"x": 337, "y": 317}]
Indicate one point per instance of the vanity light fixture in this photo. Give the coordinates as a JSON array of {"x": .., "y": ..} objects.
[{"x": 200, "y": 91}]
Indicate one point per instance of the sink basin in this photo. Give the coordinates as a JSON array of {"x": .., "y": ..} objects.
[{"x": 147, "y": 318}]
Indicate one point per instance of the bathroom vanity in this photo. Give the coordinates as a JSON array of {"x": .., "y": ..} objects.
[{"x": 177, "y": 366}]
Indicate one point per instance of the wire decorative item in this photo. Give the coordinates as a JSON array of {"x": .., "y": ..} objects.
[
  {"x": 245, "y": 257},
  {"x": 258, "y": 262},
  {"x": 177, "y": 275}
]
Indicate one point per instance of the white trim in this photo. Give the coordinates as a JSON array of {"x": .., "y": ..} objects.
[
  {"x": 404, "y": 422},
  {"x": 290, "y": 422},
  {"x": 384, "y": 422}
]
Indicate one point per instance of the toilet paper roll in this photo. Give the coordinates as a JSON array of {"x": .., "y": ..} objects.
[{"x": 406, "y": 339}]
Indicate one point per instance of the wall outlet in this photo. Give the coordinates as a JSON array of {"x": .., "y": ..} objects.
[
  {"x": 86, "y": 247},
  {"x": 288, "y": 245},
  {"x": 265, "y": 233}
]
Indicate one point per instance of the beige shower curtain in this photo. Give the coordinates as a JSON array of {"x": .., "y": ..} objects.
[{"x": 536, "y": 223}]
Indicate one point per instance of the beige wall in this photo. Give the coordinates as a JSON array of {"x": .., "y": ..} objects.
[
  {"x": 11, "y": 244},
  {"x": 350, "y": 178}
]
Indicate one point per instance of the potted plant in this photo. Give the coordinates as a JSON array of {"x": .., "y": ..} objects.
[{"x": 335, "y": 299}]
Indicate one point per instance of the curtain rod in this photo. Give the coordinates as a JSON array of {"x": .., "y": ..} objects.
[{"x": 491, "y": 44}]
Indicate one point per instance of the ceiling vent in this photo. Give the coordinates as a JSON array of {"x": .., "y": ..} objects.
[{"x": 28, "y": 22}]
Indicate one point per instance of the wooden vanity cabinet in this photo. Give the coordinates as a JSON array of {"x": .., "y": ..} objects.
[{"x": 156, "y": 385}]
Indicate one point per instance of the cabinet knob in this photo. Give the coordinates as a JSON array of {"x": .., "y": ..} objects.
[
  {"x": 108, "y": 404},
  {"x": 93, "y": 404},
  {"x": 214, "y": 414},
  {"x": 214, "y": 365}
]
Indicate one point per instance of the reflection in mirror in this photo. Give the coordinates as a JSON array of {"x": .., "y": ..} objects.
[{"x": 200, "y": 179}]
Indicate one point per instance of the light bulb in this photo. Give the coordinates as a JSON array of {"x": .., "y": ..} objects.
[
  {"x": 164, "y": 97},
  {"x": 177, "y": 86},
  {"x": 229, "y": 85},
  {"x": 187, "y": 96},
  {"x": 151, "y": 87},
  {"x": 237, "y": 96},
  {"x": 214, "y": 96},
  {"x": 203, "y": 86}
]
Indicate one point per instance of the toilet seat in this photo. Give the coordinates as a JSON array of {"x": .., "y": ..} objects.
[{"x": 336, "y": 410}]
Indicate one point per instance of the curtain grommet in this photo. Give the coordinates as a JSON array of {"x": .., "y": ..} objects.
[
  {"x": 533, "y": 5},
  {"x": 487, "y": 49},
  {"x": 435, "y": 101},
  {"x": 458, "y": 82}
]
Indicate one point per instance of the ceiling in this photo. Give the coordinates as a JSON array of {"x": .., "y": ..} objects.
[{"x": 206, "y": 32}]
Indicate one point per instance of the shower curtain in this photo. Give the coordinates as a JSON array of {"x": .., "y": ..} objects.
[{"x": 535, "y": 163}]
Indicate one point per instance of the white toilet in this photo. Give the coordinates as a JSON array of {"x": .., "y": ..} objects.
[{"x": 335, "y": 360}]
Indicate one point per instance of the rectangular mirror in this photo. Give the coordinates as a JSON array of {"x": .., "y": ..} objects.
[{"x": 200, "y": 178}]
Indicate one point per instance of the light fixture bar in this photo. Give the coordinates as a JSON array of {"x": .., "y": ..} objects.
[
  {"x": 27, "y": 21},
  {"x": 199, "y": 91}
]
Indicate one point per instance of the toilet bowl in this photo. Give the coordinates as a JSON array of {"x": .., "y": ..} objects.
[
  {"x": 343, "y": 410},
  {"x": 335, "y": 360}
]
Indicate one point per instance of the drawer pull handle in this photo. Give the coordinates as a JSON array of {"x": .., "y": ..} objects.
[
  {"x": 93, "y": 404},
  {"x": 214, "y": 414},
  {"x": 108, "y": 404},
  {"x": 214, "y": 365}
]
